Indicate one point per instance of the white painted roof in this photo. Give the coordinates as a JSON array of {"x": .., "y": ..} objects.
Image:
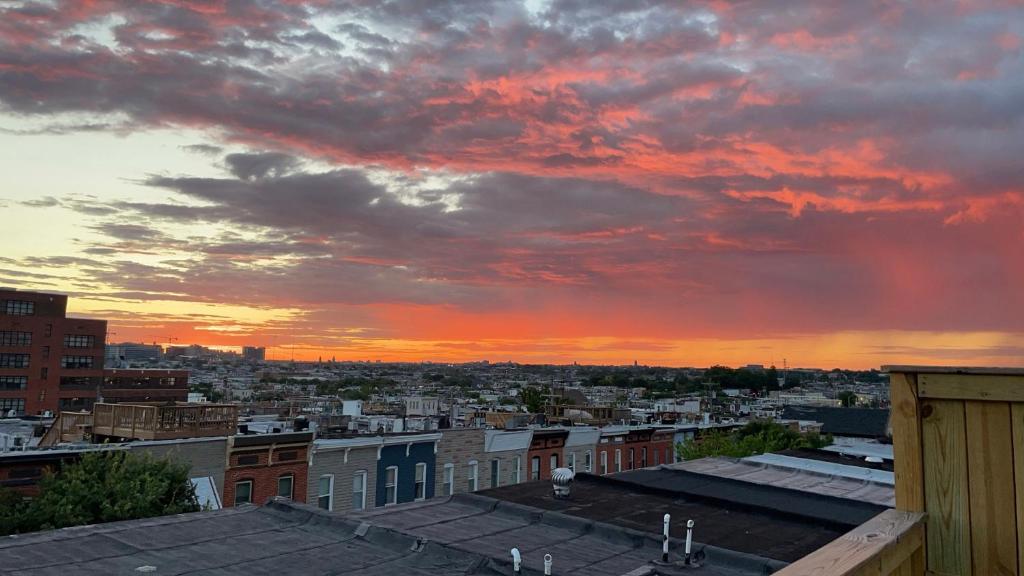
[
  {"x": 883, "y": 451},
  {"x": 504, "y": 440},
  {"x": 583, "y": 436},
  {"x": 828, "y": 468}
]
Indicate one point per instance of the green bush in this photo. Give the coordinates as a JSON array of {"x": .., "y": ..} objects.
[
  {"x": 757, "y": 437},
  {"x": 103, "y": 486}
]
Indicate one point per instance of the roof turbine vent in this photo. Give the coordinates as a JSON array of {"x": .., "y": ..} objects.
[{"x": 562, "y": 478}]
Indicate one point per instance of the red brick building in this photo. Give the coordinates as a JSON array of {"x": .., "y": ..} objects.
[
  {"x": 631, "y": 448},
  {"x": 546, "y": 452},
  {"x": 42, "y": 352},
  {"x": 262, "y": 466},
  {"x": 49, "y": 362}
]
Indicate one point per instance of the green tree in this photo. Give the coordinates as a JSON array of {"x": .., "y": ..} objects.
[
  {"x": 757, "y": 437},
  {"x": 533, "y": 398},
  {"x": 106, "y": 486},
  {"x": 848, "y": 398}
]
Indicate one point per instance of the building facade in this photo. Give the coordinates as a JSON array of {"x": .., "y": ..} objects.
[
  {"x": 46, "y": 358},
  {"x": 343, "y": 474},
  {"x": 262, "y": 466},
  {"x": 505, "y": 453},
  {"x": 546, "y": 452},
  {"x": 461, "y": 463},
  {"x": 406, "y": 468},
  {"x": 580, "y": 448}
]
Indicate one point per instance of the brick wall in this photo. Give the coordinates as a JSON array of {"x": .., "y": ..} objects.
[
  {"x": 265, "y": 473},
  {"x": 360, "y": 459}
]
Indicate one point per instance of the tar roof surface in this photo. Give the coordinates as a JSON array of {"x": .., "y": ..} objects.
[
  {"x": 836, "y": 457},
  {"x": 762, "y": 520},
  {"x": 461, "y": 535}
]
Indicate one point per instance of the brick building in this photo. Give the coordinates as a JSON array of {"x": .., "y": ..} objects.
[
  {"x": 629, "y": 448},
  {"x": 262, "y": 466},
  {"x": 45, "y": 357},
  {"x": 545, "y": 452},
  {"x": 49, "y": 362},
  {"x": 461, "y": 464}
]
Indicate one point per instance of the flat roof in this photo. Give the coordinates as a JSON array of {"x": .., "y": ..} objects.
[
  {"x": 459, "y": 535},
  {"x": 824, "y": 467},
  {"x": 762, "y": 520},
  {"x": 793, "y": 479}
]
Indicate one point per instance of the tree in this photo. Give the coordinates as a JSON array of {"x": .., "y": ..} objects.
[
  {"x": 105, "y": 486},
  {"x": 757, "y": 437},
  {"x": 848, "y": 398},
  {"x": 533, "y": 399}
]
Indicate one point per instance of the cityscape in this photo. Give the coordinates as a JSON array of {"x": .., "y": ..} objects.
[{"x": 516, "y": 287}]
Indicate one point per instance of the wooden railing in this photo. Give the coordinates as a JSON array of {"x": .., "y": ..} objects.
[
  {"x": 147, "y": 422},
  {"x": 891, "y": 543}
]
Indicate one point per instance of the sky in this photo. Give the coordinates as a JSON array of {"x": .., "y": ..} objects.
[{"x": 830, "y": 184}]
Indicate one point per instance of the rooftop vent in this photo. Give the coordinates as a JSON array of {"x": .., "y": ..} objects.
[{"x": 562, "y": 478}]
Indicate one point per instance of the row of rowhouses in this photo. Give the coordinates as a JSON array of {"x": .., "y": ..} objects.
[{"x": 370, "y": 471}]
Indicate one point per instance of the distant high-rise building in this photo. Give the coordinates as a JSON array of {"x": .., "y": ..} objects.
[
  {"x": 254, "y": 353},
  {"x": 131, "y": 353}
]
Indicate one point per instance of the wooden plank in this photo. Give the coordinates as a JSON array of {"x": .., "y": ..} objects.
[
  {"x": 944, "y": 441},
  {"x": 997, "y": 388},
  {"x": 990, "y": 479},
  {"x": 876, "y": 547},
  {"x": 1017, "y": 429},
  {"x": 906, "y": 442}
]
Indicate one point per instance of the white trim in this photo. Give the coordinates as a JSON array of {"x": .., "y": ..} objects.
[
  {"x": 415, "y": 489},
  {"x": 474, "y": 475},
  {"x": 395, "y": 485},
  {"x": 448, "y": 478},
  {"x": 330, "y": 492},
  {"x": 366, "y": 488}
]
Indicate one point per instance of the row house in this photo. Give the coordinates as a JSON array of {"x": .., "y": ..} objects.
[
  {"x": 363, "y": 472},
  {"x": 505, "y": 452},
  {"x": 546, "y": 451},
  {"x": 628, "y": 448},
  {"x": 579, "y": 448},
  {"x": 264, "y": 466}
]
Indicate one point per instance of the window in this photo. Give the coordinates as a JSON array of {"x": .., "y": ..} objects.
[
  {"x": 243, "y": 492},
  {"x": 13, "y": 382},
  {"x": 8, "y": 404},
  {"x": 248, "y": 459},
  {"x": 44, "y": 372},
  {"x": 572, "y": 461},
  {"x": 325, "y": 492},
  {"x": 604, "y": 462},
  {"x": 285, "y": 486},
  {"x": 79, "y": 341},
  {"x": 553, "y": 462},
  {"x": 49, "y": 330},
  {"x": 76, "y": 362},
  {"x": 359, "y": 489},
  {"x": 449, "y": 480},
  {"x": 421, "y": 481},
  {"x": 14, "y": 360},
  {"x": 391, "y": 485},
  {"x": 618, "y": 460},
  {"x": 630, "y": 463},
  {"x": 10, "y": 338},
  {"x": 519, "y": 469},
  {"x": 19, "y": 308},
  {"x": 668, "y": 456},
  {"x": 495, "y": 473},
  {"x": 588, "y": 461},
  {"x": 643, "y": 457},
  {"x": 287, "y": 456},
  {"x": 535, "y": 468},
  {"x": 657, "y": 456},
  {"x": 474, "y": 469},
  {"x": 80, "y": 382}
]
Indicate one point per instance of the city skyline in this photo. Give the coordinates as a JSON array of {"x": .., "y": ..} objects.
[{"x": 698, "y": 184}]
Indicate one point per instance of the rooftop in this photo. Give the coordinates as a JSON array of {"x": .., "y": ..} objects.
[
  {"x": 465, "y": 535},
  {"x": 763, "y": 520}
]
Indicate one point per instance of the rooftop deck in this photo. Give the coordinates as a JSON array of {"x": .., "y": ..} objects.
[{"x": 144, "y": 422}]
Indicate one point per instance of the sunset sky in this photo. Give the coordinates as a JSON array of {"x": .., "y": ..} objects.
[{"x": 677, "y": 183}]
